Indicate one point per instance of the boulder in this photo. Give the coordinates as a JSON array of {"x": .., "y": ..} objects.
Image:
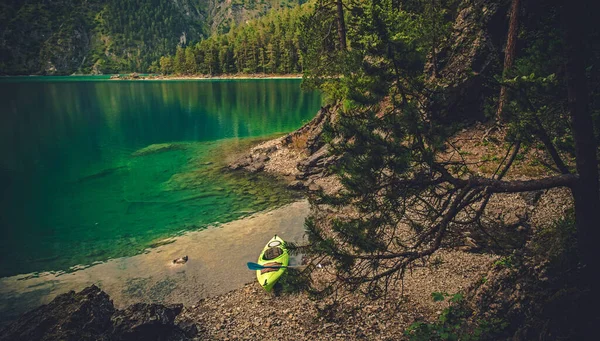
[
  {"x": 241, "y": 163},
  {"x": 91, "y": 315},
  {"x": 296, "y": 185},
  {"x": 316, "y": 164},
  {"x": 143, "y": 321},
  {"x": 85, "y": 315},
  {"x": 256, "y": 167},
  {"x": 253, "y": 163},
  {"x": 531, "y": 198}
]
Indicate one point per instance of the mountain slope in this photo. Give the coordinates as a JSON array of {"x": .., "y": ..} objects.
[{"x": 109, "y": 36}]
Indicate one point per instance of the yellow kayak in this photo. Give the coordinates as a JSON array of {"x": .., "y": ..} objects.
[{"x": 274, "y": 254}]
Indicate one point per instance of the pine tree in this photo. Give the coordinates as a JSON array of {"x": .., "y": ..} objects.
[
  {"x": 190, "y": 61},
  {"x": 179, "y": 61},
  {"x": 407, "y": 197},
  {"x": 166, "y": 65}
]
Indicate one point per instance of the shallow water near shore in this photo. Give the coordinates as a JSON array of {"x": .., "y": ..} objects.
[
  {"x": 216, "y": 264},
  {"x": 92, "y": 171}
]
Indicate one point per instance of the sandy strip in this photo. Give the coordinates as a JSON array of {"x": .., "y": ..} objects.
[
  {"x": 216, "y": 265},
  {"x": 200, "y": 77}
]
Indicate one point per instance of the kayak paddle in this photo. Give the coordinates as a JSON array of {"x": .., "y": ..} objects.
[{"x": 256, "y": 266}]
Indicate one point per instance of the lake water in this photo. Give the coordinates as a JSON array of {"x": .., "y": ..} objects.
[{"x": 95, "y": 169}]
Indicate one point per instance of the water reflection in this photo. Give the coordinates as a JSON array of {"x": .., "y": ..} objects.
[
  {"x": 41, "y": 117},
  {"x": 72, "y": 193}
]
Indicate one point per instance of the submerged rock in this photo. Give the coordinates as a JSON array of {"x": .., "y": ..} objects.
[
  {"x": 158, "y": 148},
  {"x": 241, "y": 163},
  {"x": 101, "y": 174},
  {"x": 90, "y": 315}
]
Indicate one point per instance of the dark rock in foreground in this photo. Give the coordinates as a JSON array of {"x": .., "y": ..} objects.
[
  {"x": 143, "y": 321},
  {"x": 84, "y": 315},
  {"x": 91, "y": 315}
]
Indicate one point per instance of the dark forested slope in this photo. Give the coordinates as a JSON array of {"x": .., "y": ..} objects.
[{"x": 108, "y": 36}]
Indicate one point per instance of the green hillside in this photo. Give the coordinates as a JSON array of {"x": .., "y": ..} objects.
[
  {"x": 271, "y": 44},
  {"x": 109, "y": 36}
]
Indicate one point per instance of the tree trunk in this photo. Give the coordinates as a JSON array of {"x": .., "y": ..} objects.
[
  {"x": 434, "y": 42},
  {"x": 341, "y": 25},
  {"x": 509, "y": 55},
  {"x": 586, "y": 191}
]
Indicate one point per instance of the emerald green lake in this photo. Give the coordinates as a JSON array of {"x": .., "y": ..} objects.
[{"x": 94, "y": 169}]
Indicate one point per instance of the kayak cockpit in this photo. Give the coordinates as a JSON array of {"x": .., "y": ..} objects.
[{"x": 275, "y": 258}]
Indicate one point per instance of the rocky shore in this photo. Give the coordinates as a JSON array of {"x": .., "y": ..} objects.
[
  {"x": 495, "y": 288},
  {"x": 91, "y": 315},
  {"x": 469, "y": 265},
  {"x": 301, "y": 157},
  {"x": 249, "y": 313}
]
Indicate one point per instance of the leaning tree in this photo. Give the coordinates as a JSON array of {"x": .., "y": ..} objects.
[{"x": 406, "y": 191}]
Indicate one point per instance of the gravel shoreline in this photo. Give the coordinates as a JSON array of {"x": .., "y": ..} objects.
[{"x": 249, "y": 313}]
